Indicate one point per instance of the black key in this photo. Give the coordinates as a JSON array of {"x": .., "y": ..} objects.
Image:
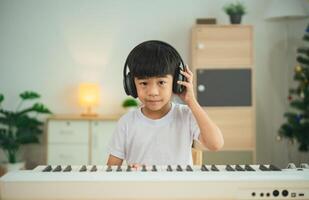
[
  {"x": 274, "y": 168},
  {"x": 189, "y": 168},
  {"x": 263, "y": 168},
  {"x": 57, "y": 169},
  {"x": 144, "y": 169},
  {"x": 118, "y": 168},
  {"x": 179, "y": 169},
  {"x": 249, "y": 168},
  {"x": 239, "y": 168},
  {"x": 229, "y": 168},
  {"x": 214, "y": 168},
  {"x": 93, "y": 168},
  {"x": 129, "y": 168},
  {"x": 47, "y": 169},
  {"x": 169, "y": 168},
  {"x": 204, "y": 168},
  {"x": 154, "y": 168},
  {"x": 109, "y": 168},
  {"x": 83, "y": 168},
  {"x": 68, "y": 168}
]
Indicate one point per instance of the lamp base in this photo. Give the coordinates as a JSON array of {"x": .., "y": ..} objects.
[{"x": 89, "y": 115}]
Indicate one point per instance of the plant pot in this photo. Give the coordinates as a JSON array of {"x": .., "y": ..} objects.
[
  {"x": 131, "y": 108},
  {"x": 235, "y": 18},
  {"x": 8, "y": 167}
]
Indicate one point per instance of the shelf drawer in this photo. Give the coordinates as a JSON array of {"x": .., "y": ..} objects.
[
  {"x": 67, "y": 154},
  {"x": 68, "y": 131}
]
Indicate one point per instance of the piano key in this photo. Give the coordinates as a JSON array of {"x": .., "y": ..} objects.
[
  {"x": 154, "y": 168},
  {"x": 109, "y": 168},
  {"x": 118, "y": 168},
  {"x": 144, "y": 168},
  {"x": 274, "y": 168},
  {"x": 229, "y": 168},
  {"x": 47, "y": 169},
  {"x": 204, "y": 168},
  {"x": 57, "y": 169},
  {"x": 68, "y": 168},
  {"x": 179, "y": 169},
  {"x": 189, "y": 168},
  {"x": 93, "y": 168},
  {"x": 214, "y": 168},
  {"x": 239, "y": 168},
  {"x": 83, "y": 168},
  {"x": 169, "y": 168},
  {"x": 129, "y": 168},
  {"x": 249, "y": 168},
  {"x": 263, "y": 168}
]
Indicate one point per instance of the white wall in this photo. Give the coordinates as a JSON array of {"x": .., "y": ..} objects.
[{"x": 52, "y": 46}]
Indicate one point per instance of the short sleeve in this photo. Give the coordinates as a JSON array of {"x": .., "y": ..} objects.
[{"x": 116, "y": 145}]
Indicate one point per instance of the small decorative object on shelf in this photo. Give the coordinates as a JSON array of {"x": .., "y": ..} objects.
[
  {"x": 235, "y": 11},
  {"x": 206, "y": 21},
  {"x": 129, "y": 103},
  {"x": 19, "y": 127}
]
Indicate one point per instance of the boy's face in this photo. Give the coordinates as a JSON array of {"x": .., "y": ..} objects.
[{"x": 154, "y": 92}]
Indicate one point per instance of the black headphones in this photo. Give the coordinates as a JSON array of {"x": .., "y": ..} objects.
[{"x": 128, "y": 79}]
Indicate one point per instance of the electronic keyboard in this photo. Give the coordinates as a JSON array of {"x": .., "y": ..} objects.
[{"x": 209, "y": 182}]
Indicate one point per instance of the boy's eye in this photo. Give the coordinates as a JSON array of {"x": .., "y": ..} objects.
[
  {"x": 143, "y": 83},
  {"x": 162, "y": 82}
]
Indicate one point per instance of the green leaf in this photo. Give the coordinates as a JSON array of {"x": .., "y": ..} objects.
[
  {"x": 40, "y": 108},
  {"x": 1, "y": 98},
  {"x": 29, "y": 95}
]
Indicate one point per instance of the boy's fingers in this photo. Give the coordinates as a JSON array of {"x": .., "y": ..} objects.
[
  {"x": 184, "y": 83},
  {"x": 187, "y": 75}
]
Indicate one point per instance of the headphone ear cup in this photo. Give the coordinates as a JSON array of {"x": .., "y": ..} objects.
[
  {"x": 129, "y": 86},
  {"x": 177, "y": 88}
]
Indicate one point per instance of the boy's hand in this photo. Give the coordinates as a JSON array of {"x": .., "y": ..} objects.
[{"x": 188, "y": 94}]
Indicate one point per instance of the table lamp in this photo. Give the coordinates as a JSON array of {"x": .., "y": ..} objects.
[{"x": 89, "y": 97}]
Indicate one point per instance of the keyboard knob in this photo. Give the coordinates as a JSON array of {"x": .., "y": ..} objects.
[
  {"x": 291, "y": 166},
  {"x": 304, "y": 166}
]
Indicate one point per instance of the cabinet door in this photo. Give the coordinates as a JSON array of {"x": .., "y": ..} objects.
[
  {"x": 68, "y": 131},
  {"x": 67, "y": 154},
  {"x": 101, "y": 135}
]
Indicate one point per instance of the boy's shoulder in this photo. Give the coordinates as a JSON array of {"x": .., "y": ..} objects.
[{"x": 128, "y": 116}]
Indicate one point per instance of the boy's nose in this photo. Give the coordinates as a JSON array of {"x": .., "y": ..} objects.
[{"x": 153, "y": 90}]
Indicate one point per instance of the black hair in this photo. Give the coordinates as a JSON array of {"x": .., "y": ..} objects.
[{"x": 153, "y": 59}]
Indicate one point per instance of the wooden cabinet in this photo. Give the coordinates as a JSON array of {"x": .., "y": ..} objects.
[
  {"x": 78, "y": 140},
  {"x": 222, "y": 61}
]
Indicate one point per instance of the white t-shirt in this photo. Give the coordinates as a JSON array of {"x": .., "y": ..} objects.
[{"x": 166, "y": 141}]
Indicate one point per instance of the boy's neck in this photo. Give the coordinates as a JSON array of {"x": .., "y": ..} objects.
[{"x": 158, "y": 114}]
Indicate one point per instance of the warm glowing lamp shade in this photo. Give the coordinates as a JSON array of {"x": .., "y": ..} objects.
[{"x": 89, "y": 96}]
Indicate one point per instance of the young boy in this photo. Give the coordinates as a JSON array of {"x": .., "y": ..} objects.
[{"x": 161, "y": 132}]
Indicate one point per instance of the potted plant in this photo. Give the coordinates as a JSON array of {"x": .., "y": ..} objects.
[
  {"x": 235, "y": 11},
  {"x": 129, "y": 103},
  {"x": 19, "y": 127}
]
